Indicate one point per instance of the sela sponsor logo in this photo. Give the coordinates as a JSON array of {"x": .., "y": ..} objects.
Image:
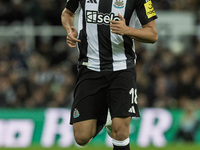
[
  {"x": 100, "y": 18},
  {"x": 118, "y": 4}
]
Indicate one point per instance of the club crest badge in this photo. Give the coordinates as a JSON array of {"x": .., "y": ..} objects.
[
  {"x": 118, "y": 4},
  {"x": 76, "y": 113}
]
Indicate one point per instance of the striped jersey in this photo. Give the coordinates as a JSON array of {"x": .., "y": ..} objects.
[{"x": 100, "y": 49}]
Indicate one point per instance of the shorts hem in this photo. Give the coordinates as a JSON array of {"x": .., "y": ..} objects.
[
  {"x": 126, "y": 115},
  {"x": 72, "y": 122}
]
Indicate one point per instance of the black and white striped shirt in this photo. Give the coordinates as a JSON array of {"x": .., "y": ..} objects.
[{"x": 101, "y": 50}]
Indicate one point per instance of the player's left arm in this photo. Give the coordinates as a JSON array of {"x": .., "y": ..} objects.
[
  {"x": 147, "y": 34},
  {"x": 67, "y": 19}
]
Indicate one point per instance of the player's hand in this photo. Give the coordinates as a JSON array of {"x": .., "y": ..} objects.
[
  {"x": 71, "y": 38},
  {"x": 118, "y": 27}
]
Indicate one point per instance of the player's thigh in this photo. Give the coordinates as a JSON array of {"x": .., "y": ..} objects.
[{"x": 85, "y": 129}]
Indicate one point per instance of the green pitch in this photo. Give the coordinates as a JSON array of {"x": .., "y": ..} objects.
[{"x": 169, "y": 147}]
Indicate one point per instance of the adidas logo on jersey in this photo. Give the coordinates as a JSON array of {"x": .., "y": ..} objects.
[
  {"x": 92, "y": 1},
  {"x": 132, "y": 110}
]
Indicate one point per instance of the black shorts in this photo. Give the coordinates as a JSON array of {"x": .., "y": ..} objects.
[{"x": 95, "y": 92}]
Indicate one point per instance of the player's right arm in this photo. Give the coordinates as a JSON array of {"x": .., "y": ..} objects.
[{"x": 67, "y": 19}]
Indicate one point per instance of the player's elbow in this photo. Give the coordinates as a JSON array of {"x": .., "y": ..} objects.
[{"x": 154, "y": 38}]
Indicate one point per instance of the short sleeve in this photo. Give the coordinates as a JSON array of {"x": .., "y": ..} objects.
[
  {"x": 145, "y": 11},
  {"x": 72, "y": 5}
]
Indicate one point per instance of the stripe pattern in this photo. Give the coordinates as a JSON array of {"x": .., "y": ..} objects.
[{"x": 101, "y": 50}]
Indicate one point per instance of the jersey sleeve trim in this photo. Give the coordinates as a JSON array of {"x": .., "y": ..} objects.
[
  {"x": 149, "y": 20},
  {"x": 72, "y": 5}
]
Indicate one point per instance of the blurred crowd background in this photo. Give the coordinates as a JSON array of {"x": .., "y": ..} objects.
[{"x": 44, "y": 75}]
